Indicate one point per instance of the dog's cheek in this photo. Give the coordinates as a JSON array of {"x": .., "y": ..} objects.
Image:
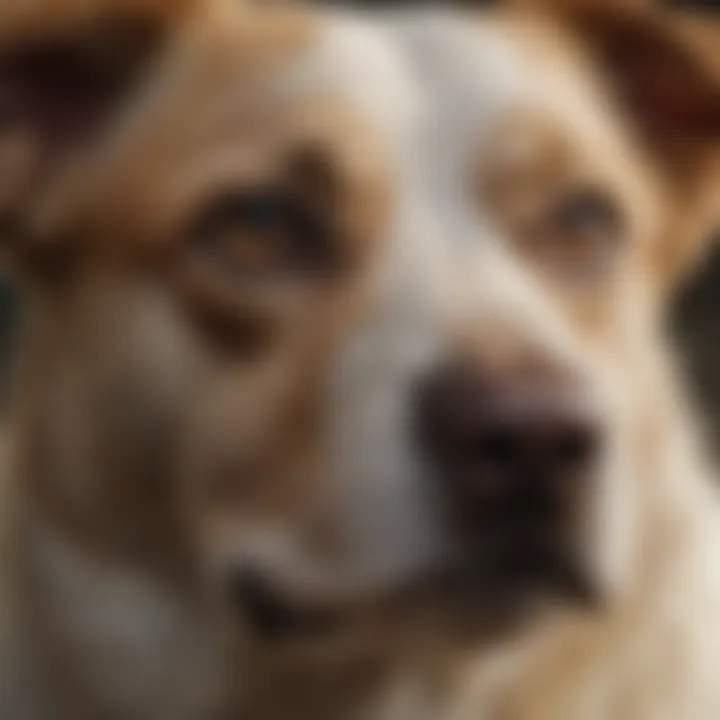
[{"x": 120, "y": 413}]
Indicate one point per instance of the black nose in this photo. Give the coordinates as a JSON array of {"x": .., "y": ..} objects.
[{"x": 526, "y": 439}]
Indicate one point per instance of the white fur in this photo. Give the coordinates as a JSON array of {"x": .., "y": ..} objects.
[{"x": 140, "y": 648}]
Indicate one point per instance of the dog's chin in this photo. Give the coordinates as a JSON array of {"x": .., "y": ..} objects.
[{"x": 463, "y": 601}]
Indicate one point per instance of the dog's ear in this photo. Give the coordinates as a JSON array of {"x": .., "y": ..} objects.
[
  {"x": 559, "y": 5},
  {"x": 664, "y": 68},
  {"x": 67, "y": 67}
]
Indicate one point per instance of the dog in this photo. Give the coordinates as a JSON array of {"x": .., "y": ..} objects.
[{"x": 342, "y": 391}]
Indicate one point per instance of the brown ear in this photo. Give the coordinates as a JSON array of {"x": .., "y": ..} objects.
[
  {"x": 664, "y": 67},
  {"x": 66, "y": 69},
  {"x": 558, "y": 5}
]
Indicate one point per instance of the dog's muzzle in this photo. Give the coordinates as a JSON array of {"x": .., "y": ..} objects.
[{"x": 513, "y": 456}]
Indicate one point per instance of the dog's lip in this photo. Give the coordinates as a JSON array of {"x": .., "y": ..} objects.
[
  {"x": 276, "y": 617},
  {"x": 460, "y": 590}
]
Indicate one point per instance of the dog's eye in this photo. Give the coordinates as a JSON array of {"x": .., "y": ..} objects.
[
  {"x": 260, "y": 233},
  {"x": 587, "y": 216},
  {"x": 582, "y": 235}
]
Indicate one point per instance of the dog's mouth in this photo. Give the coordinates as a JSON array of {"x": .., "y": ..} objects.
[
  {"x": 273, "y": 615},
  {"x": 504, "y": 585}
]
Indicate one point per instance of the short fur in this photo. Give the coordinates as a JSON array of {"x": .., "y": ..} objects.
[{"x": 181, "y": 420}]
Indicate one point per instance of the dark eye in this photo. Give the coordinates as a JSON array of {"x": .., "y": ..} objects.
[
  {"x": 262, "y": 232},
  {"x": 581, "y": 236},
  {"x": 587, "y": 215},
  {"x": 260, "y": 212}
]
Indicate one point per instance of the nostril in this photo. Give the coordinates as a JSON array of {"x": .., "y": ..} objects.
[
  {"x": 498, "y": 447},
  {"x": 484, "y": 434},
  {"x": 576, "y": 448},
  {"x": 503, "y": 445}
]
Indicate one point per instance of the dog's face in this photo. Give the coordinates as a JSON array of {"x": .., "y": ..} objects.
[{"x": 375, "y": 298}]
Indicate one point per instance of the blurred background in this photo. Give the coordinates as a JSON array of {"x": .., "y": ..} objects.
[{"x": 693, "y": 320}]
